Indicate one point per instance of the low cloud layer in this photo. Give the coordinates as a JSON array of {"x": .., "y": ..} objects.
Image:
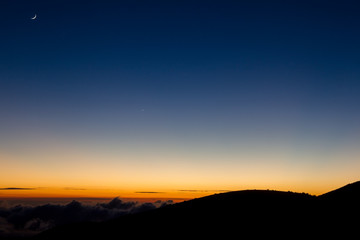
[{"x": 23, "y": 220}]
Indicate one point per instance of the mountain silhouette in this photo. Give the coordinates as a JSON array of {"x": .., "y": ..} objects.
[
  {"x": 248, "y": 214},
  {"x": 348, "y": 193}
]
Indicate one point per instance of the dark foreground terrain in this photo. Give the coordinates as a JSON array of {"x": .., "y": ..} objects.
[{"x": 249, "y": 214}]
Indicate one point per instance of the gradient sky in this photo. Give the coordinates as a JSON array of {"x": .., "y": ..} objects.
[{"x": 178, "y": 98}]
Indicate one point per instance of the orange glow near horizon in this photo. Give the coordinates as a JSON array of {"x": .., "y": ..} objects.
[
  {"x": 68, "y": 172},
  {"x": 180, "y": 194},
  {"x": 100, "y": 193}
]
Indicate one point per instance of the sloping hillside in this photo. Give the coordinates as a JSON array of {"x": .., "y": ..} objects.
[{"x": 243, "y": 214}]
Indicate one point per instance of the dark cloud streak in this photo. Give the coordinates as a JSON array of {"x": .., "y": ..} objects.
[
  {"x": 197, "y": 190},
  {"x": 74, "y": 189},
  {"x": 17, "y": 188},
  {"x": 149, "y": 192}
]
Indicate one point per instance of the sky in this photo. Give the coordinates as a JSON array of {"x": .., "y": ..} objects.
[{"x": 177, "y": 98}]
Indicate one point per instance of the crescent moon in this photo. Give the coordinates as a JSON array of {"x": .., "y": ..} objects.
[{"x": 33, "y": 18}]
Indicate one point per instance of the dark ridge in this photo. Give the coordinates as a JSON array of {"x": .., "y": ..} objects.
[
  {"x": 248, "y": 214},
  {"x": 350, "y": 192}
]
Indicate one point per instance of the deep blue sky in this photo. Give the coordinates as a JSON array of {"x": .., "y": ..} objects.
[{"x": 191, "y": 72}]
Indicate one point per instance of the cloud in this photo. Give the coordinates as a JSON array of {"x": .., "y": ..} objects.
[
  {"x": 117, "y": 203},
  {"x": 197, "y": 190},
  {"x": 74, "y": 189},
  {"x": 24, "y": 220},
  {"x": 149, "y": 192},
  {"x": 36, "y": 224},
  {"x": 17, "y": 188},
  {"x": 4, "y": 204}
]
